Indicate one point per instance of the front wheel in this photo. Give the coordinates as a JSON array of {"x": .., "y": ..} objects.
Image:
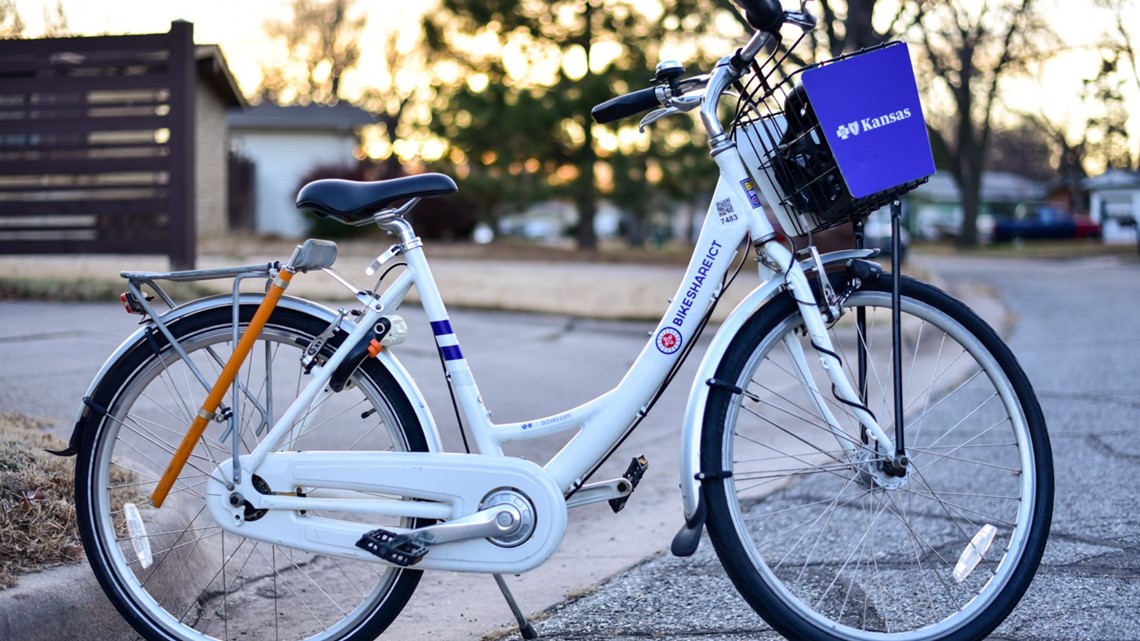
[
  {"x": 825, "y": 543},
  {"x": 173, "y": 573}
]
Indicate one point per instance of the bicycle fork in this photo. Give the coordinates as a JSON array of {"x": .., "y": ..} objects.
[{"x": 779, "y": 258}]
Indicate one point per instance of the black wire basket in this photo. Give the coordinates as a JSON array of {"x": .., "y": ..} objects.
[{"x": 780, "y": 139}]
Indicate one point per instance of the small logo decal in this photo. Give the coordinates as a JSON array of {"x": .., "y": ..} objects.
[
  {"x": 850, "y": 129},
  {"x": 753, "y": 197},
  {"x": 668, "y": 340}
]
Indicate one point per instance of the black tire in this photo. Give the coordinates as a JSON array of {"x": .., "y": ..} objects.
[
  {"x": 824, "y": 545},
  {"x": 202, "y": 582}
]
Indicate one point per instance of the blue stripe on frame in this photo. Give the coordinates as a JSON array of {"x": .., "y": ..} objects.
[
  {"x": 451, "y": 352},
  {"x": 441, "y": 328}
]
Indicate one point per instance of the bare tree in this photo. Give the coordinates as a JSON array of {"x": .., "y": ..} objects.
[
  {"x": 1025, "y": 148},
  {"x": 1122, "y": 42},
  {"x": 322, "y": 40},
  {"x": 55, "y": 22},
  {"x": 11, "y": 25},
  {"x": 969, "y": 53},
  {"x": 849, "y": 25},
  {"x": 1068, "y": 157}
]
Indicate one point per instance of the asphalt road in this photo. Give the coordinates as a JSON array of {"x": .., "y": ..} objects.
[{"x": 1076, "y": 334}]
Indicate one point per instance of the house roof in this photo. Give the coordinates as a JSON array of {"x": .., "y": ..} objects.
[
  {"x": 997, "y": 186},
  {"x": 1113, "y": 179},
  {"x": 341, "y": 117},
  {"x": 215, "y": 72}
]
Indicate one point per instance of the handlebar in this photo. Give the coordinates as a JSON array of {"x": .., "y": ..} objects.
[{"x": 625, "y": 105}]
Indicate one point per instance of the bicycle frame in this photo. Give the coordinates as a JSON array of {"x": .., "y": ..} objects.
[
  {"x": 603, "y": 421},
  {"x": 736, "y": 212}
]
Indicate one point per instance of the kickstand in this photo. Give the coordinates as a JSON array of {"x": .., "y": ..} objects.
[{"x": 524, "y": 625}]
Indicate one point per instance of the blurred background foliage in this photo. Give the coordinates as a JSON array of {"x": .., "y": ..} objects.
[
  {"x": 509, "y": 85},
  {"x": 497, "y": 93}
]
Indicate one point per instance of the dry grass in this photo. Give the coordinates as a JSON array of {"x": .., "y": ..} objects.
[{"x": 37, "y": 511}]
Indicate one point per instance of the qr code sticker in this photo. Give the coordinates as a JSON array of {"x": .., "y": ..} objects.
[{"x": 724, "y": 207}]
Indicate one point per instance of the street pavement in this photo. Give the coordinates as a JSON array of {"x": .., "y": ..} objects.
[{"x": 1075, "y": 333}]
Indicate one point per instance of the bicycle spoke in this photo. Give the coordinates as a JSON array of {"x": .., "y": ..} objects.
[
  {"x": 209, "y": 580},
  {"x": 811, "y": 517}
]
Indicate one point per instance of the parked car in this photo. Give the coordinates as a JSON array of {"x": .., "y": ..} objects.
[
  {"x": 1034, "y": 222},
  {"x": 877, "y": 233}
]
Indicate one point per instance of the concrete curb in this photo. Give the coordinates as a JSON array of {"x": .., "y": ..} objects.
[{"x": 63, "y": 602}]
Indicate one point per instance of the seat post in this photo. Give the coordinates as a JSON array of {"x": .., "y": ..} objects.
[{"x": 402, "y": 229}]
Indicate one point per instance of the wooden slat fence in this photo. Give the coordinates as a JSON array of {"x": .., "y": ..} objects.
[{"x": 97, "y": 145}]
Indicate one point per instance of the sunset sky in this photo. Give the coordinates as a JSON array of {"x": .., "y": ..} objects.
[{"x": 237, "y": 25}]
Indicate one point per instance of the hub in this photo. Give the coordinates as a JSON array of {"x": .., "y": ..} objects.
[
  {"x": 521, "y": 503},
  {"x": 874, "y": 472}
]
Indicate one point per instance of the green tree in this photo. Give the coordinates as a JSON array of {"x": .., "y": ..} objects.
[{"x": 516, "y": 80}]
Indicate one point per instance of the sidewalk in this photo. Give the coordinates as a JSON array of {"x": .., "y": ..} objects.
[
  {"x": 571, "y": 287},
  {"x": 617, "y": 291}
]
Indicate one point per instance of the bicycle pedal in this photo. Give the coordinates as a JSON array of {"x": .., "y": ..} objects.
[
  {"x": 632, "y": 474},
  {"x": 397, "y": 549}
]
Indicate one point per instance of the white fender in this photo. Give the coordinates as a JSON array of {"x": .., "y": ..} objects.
[
  {"x": 403, "y": 378},
  {"x": 698, "y": 396}
]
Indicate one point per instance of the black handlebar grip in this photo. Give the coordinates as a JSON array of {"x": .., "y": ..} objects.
[
  {"x": 765, "y": 15},
  {"x": 625, "y": 105}
]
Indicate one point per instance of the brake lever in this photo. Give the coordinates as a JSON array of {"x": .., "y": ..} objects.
[
  {"x": 654, "y": 116},
  {"x": 678, "y": 105},
  {"x": 802, "y": 19}
]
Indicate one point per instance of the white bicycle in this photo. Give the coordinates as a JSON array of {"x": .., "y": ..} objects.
[{"x": 869, "y": 459}]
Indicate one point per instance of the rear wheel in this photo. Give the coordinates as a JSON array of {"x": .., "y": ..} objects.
[
  {"x": 172, "y": 572},
  {"x": 824, "y": 543}
]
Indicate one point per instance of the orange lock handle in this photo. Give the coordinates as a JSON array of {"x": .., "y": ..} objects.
[{"x": 215, "y": 397}]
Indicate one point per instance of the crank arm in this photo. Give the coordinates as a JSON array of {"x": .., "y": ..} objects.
[
  {"x": 600, "y": 491},
  {"x": 501, "y": 520}
]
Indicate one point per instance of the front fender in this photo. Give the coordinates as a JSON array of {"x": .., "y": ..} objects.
[
  {"x": 403, "y": 378},
  {"x": 698, "y": 396}
]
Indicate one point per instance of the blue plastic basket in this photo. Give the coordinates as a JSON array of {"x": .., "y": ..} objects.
[{"x": 834, "y": 141}]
